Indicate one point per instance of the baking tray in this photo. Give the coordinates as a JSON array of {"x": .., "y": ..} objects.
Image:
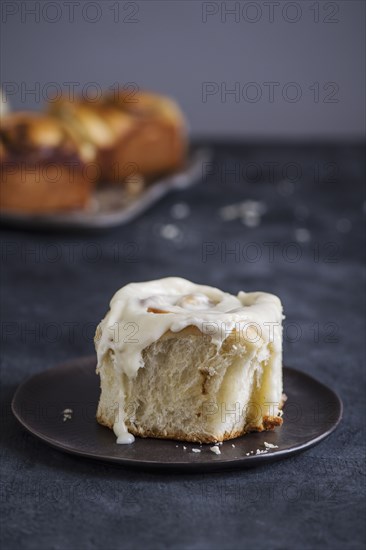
[{"x": 111, "y": 206}]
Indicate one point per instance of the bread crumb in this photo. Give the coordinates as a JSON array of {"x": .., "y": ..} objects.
[
  {"x": 233, "y": 445},
  {"x": 180, "y": 211},
  {"x": 302, "y": 235},
  {"x": 270, "y": 445},
  {"x": 67, "y": 414},
  {"x": 196, "y": 450},
  {"x": 170, "y": 232},
  {"x": 260, "y": 452},
  {"x": 249, "y": 212},
  {"x": 184, "y": 448},
  {"x": 215, "y": 449}
]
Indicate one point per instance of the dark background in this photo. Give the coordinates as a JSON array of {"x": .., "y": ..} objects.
[
  {"x": 307, "y": 174},
  {"x": 177, "y": 47},
  {"x": 53, "y": 282}
]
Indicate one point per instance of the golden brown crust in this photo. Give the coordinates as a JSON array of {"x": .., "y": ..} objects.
[
  {"x": 144, "y": 134},
  {"x": 41, "y": 166},
  {"x": 44, "y": 190},
  {"x": 269, "y": 424},
  {"x": 155, "y": 310},
  {"x": 145, "y": 105},
  {"x": 145, "y": 137}
]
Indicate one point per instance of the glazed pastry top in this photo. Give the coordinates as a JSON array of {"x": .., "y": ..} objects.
[
  {"x": 33, "y": 136},
  {"x": 140, "y": 313}
]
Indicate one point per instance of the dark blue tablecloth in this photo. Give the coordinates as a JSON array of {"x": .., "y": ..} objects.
[{"x": 305, "y": 245}]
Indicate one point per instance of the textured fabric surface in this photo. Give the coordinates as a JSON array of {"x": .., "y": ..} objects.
[{"x": 304, "y": 243}]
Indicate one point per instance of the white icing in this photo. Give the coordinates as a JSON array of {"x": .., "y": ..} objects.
[
  {"x": 140, "y": 313},
  {"x": 119, "y": 427},
  {"x": 125, "y": 438}
]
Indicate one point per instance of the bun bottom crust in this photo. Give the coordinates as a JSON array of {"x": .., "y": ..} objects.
[{"x": 269, "y": 423}]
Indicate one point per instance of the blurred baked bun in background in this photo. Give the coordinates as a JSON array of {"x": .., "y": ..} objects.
[
  {"x": 43, "y": 165},
  {"x": 143, "y": 133}
]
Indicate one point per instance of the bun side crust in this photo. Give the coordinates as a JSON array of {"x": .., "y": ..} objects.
[
  {"x": 37, "y": 192},
  {"x": 42, "y": 165}
]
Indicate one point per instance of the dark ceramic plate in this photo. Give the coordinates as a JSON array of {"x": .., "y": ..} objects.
[{"x": 311, "y": 413}]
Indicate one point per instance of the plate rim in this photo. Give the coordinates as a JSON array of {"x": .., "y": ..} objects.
[{"x": 207, "y": 465}]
